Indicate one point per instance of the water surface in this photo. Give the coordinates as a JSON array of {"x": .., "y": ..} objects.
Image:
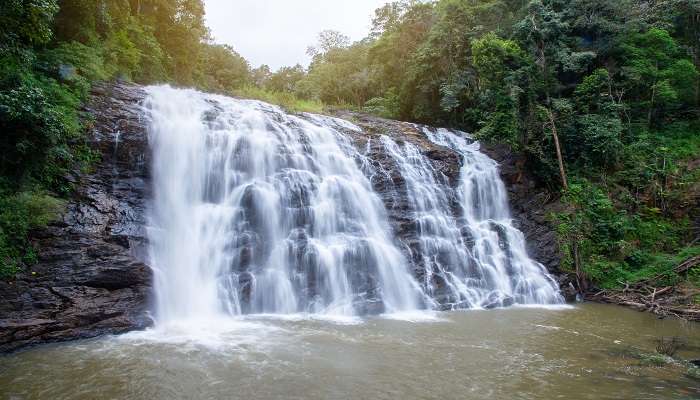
[{"x": 518, "y": 353}]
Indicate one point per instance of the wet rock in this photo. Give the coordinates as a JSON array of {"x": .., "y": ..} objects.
[
  {"x": 567, "y": 283},
  {"x": 496, "y": 300},
  {"x": 370, "y": 307},
  {"x": 507, "y": 302},
  {"x": 531, "y": 205},
  {"x": 91, "y": 278}
]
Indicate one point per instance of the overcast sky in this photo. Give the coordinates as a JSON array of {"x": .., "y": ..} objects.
[{"x": 277, "y": 32}]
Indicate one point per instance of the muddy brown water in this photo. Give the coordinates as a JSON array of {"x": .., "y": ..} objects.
[{"x": 589, "y": 351}]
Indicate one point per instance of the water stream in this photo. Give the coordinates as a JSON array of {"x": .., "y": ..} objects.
[
  {"x": 474, "y": 257},
  {"x": 257, "y": 211}
]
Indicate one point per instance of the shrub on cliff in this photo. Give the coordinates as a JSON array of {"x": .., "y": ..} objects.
[{"x": 19, "y": 214}]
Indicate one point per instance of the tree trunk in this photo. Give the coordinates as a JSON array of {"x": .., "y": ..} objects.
[
  {"x": 580, "y": 277},
  {"x": 651, "y": 105},
  {"x": 560, "y": 159},
  {"x": 696, "y": 56}
]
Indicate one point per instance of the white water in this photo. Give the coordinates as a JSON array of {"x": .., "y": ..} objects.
[
  {"x": 497, "y": 269},
  {"x": 259, "y": 212}
]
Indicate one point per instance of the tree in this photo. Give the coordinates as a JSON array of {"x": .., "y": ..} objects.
[
  {"x": 499, "y": 65},
  {"x": 261, "y": 75},
  {"x": 328, "y": 41},
  {"x": 222, "y": 69},
  {"x": 391, "y": 55},
  {"x": 390, "y": 16},
  {"x": 340, "y": 74},
  {"x": 26, "y": 23},
  {"x": 656, "y": 72},
  {"x": 286, "y": 79}
]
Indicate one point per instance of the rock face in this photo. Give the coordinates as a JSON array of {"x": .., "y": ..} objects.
[
  {"x": 91, "y": 278},
  {"x": 389, "y": 183}
]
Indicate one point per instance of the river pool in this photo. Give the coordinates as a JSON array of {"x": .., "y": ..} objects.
[{"x": 588, "y": 351}]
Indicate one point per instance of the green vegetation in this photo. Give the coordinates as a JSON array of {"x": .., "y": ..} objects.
[
  {"x": 664, "y": 357},
  {"x": 615, "y": 83},
  {"x": 50, "y": 53},
  {"x": 20, "y": 212},
  {"x": 287, "y": 100},
  {"x": 602, "y": 96},
  {"x": 632, "y": 221}
]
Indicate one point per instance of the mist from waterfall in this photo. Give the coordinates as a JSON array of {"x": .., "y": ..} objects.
[{"x": 256, "y": 211}]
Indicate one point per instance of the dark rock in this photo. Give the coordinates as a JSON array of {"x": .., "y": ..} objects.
[
  {"x": 91, "y": 278},
  {"x": 370, "y": 307},
  {"x": 567, "y": 283},
  {"x": 498, "y": 300}
]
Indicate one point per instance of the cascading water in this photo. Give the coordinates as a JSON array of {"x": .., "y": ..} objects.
[
  {"x": 442, "y": 251},
  {"x": 257, "y": 211},
  {"x": 476, "y": 259}
]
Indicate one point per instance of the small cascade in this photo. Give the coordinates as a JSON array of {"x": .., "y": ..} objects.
[
  {"x": 258, "y": 211},
  {"x": 498, "y": 270},
  {"x": 442, "y": 251}
]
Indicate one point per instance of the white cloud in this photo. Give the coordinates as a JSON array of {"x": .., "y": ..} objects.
[{"x": 277, "y": 32}]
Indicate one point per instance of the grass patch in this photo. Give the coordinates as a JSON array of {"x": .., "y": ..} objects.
[
  {"x": 655, "y": 360},
  {"x": 693, "y": 372},
  {"x": 286, "y": 100}
]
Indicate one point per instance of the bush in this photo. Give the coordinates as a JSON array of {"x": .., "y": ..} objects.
[
  {"x": 84, "y": 61},
  {"x": 388, "y": 106},
  {"x": 19, "y": 214},
  {"x": 615, "y": 245},
  {"x": 37, "y": 119}
]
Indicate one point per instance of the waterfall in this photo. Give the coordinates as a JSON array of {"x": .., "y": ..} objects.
[
  {"x": 477, "y": 258},
  {"x": 258, "y": 211}
]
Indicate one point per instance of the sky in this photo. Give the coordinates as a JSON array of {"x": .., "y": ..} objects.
[{"x": 278, "y": 32}]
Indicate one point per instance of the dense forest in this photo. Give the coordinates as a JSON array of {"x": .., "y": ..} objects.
[{"x": 603, "y": 97}]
